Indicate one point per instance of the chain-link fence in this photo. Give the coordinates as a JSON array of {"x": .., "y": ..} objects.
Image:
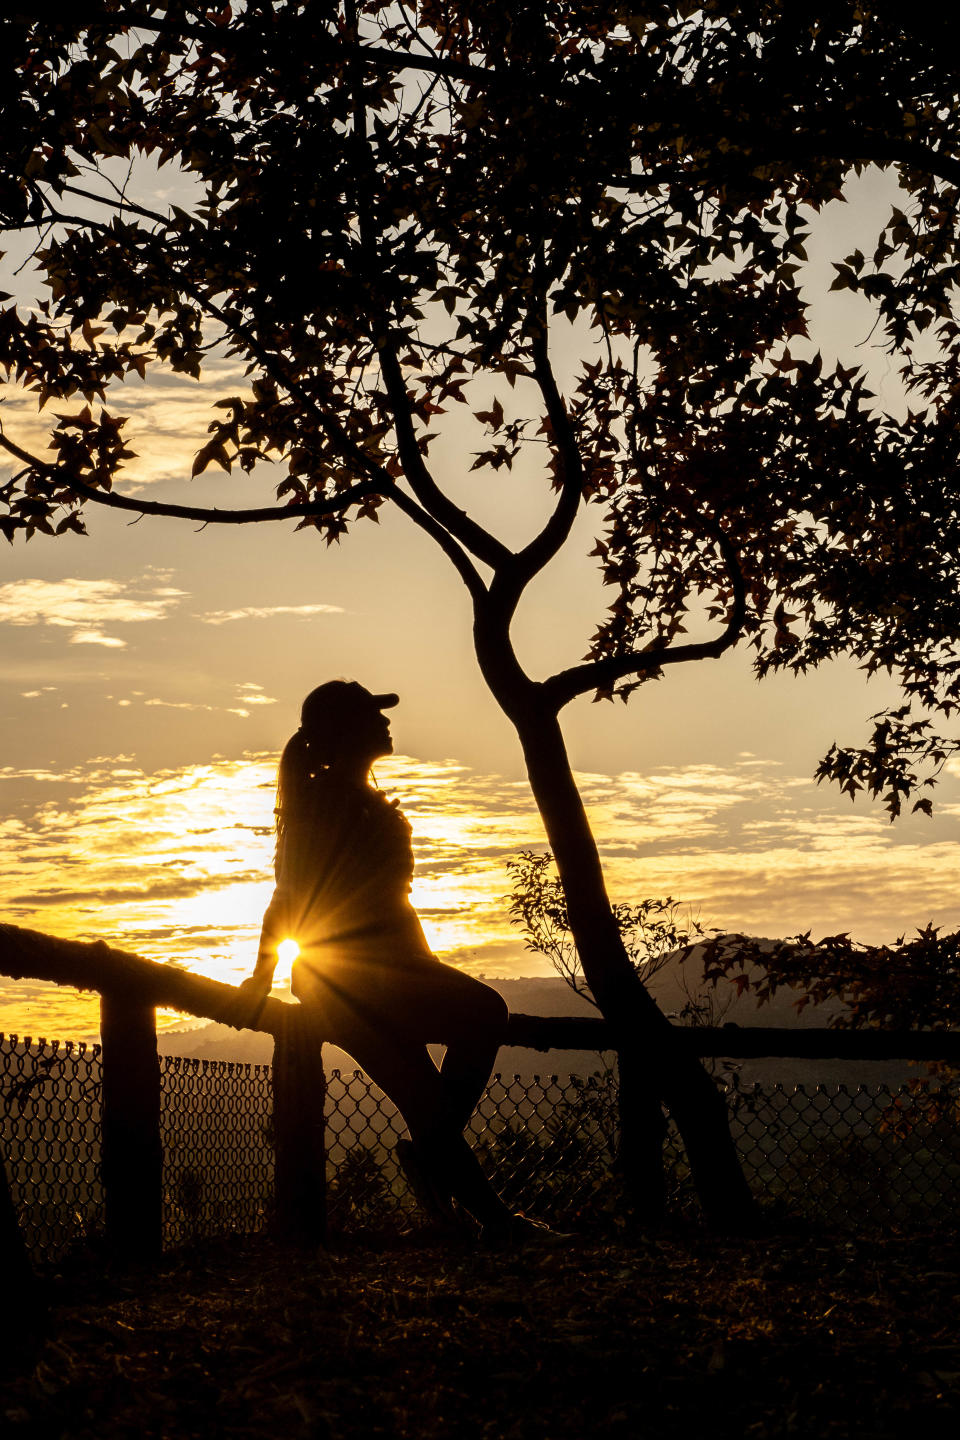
[
  {"x": 548, "y": 1144},
  {"x": 216, "y": 1125},
  {"x": 50, "y": 1139},
  {"x": 857, "y": 1156},
  {"x": 863, "y": 1157}
]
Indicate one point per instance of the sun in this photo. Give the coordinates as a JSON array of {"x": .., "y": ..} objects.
[{"x": 287, "y": 952}]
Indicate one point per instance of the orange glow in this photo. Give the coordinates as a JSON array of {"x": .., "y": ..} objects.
[{"x": 176, "y": 865}]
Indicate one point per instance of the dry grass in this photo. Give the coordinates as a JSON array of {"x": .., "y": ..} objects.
[{"x": 681, "y": 1335}]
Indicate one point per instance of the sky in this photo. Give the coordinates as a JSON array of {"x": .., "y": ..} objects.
[{"x": 151, "y": 673}]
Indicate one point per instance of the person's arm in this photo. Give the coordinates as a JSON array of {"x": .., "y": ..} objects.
[
  {"x": 272, "y": 931},
  {"x": 275, "y": 921},
  {"x": 256, "y": 988}
]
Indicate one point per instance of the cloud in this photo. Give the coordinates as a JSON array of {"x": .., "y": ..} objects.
[
  {"x": 95, "y": 637},
  {"x": 181, "y": 704},
  {"x": 168, "y": 416},
  {"x": 154, "y": 889},
  {"x": 250, "y": 694},
  {"x": 267, "y": 612},
  {"x": 177, "y": 865},
  {"x": 84, "y": 606},
  {"x": 247, "y": 694}
]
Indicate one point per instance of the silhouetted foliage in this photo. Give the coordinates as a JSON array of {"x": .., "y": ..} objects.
[
  {"x": 910, "y": 983},
  {"x": 387, "y": 207},
  {"x": 652, "y": 930},
  {"x": 654, "y": 936}
]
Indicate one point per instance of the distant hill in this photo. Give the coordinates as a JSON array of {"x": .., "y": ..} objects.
[{"x": 552, "y": 996}]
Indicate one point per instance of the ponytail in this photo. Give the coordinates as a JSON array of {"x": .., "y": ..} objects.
[{"x": 296, "y": 778}]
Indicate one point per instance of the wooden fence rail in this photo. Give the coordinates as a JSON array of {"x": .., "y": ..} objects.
[{"x": 131, "y": 988}]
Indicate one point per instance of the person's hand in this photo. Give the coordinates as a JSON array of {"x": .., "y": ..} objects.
[{"x": 251, "y": 998}]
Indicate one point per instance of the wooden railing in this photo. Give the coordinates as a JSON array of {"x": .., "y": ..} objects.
[{"x": 131, "y": 988}]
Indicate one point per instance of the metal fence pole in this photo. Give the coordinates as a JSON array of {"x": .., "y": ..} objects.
[
  {"x": 299, "y": 1092},
  {"x": 132, "y": 1155}
]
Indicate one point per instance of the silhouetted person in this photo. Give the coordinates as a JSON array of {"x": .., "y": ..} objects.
[{"x": 344, "y": 866}]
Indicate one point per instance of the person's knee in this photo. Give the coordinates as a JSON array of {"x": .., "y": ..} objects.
[{"x": 493, "y": 1013}]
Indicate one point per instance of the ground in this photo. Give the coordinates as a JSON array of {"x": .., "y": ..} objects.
[{"x": 682, "y": 1334}]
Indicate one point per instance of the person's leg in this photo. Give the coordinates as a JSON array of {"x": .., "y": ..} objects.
[
  {"x": 438, "y": 1003},
  {"x": 403, "y": 1070},
  {"x": 398, "y": 1064},
  {"x": 424, "y": 1002}
]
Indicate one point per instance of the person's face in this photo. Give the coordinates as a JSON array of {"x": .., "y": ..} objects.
[
  {"x": 373, "y": 733},
  {"x": 383, "y": 732}
]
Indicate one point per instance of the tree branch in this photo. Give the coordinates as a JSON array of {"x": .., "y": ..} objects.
[
  {"x": 220, "y": 38},
  {"x": 449, "y": 526},
  {"x": 541, "y": 549},
  {"x": 450, "y": 547},
  {"x": 192, "y": 512},
  {"x": 799, "y": 150},
  {"x": 347, "y": 449},
  {"x": 120, "y": 203},
  {"x": 349, "y": 497},
  {"x": 565, "y": 686},
  {"x": 380, "y": 482},
  {"x": 851, "y": 148},
  {"x": 477, "y": 540}
]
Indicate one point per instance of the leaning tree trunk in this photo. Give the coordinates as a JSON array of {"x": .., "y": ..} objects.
[{"x": 654, "y": 1065}]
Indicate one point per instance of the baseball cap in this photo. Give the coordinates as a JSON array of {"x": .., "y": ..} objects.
[{"x": 337, "y": 700}]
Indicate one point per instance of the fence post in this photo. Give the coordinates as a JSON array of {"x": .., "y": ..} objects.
[
  {"x": 22, "y": 1314},
  {"x": 299, "y": 1092},
  {"x": 132, "y": 1155}
]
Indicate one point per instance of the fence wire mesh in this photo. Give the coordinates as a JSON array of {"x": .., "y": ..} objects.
[
  {"x": 850, "y": 1156},
  {"x": 50, "y": 1140},
  {"x": 857, "y": 1157},
  {"x": 216, "y": 1126},
  {"x": 548, "y": 1145}
]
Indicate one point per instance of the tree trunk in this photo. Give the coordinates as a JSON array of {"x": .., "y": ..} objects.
[
  {"x": 642, "y": 1133},
  {"x": 654, "y": 1062}
]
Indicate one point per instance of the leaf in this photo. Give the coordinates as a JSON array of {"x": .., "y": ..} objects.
[
  {"x": 492, "y": 417},
  {"x": 212, "y": 453}
]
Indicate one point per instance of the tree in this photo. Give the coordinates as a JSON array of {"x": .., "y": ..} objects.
[
  {"x": 397, "y": 209},
  {"x": 653, "y": 937},
  {"x": 910, "y": 983},
  {"x": 652, "y": 932}
]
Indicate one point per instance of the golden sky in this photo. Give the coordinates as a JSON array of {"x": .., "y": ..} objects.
[
  {"x": 151, "y": 673},
  {"x": 175, "y": 865}
]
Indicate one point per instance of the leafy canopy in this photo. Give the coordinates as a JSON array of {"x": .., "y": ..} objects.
[{"x": 393, "y": 205}]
